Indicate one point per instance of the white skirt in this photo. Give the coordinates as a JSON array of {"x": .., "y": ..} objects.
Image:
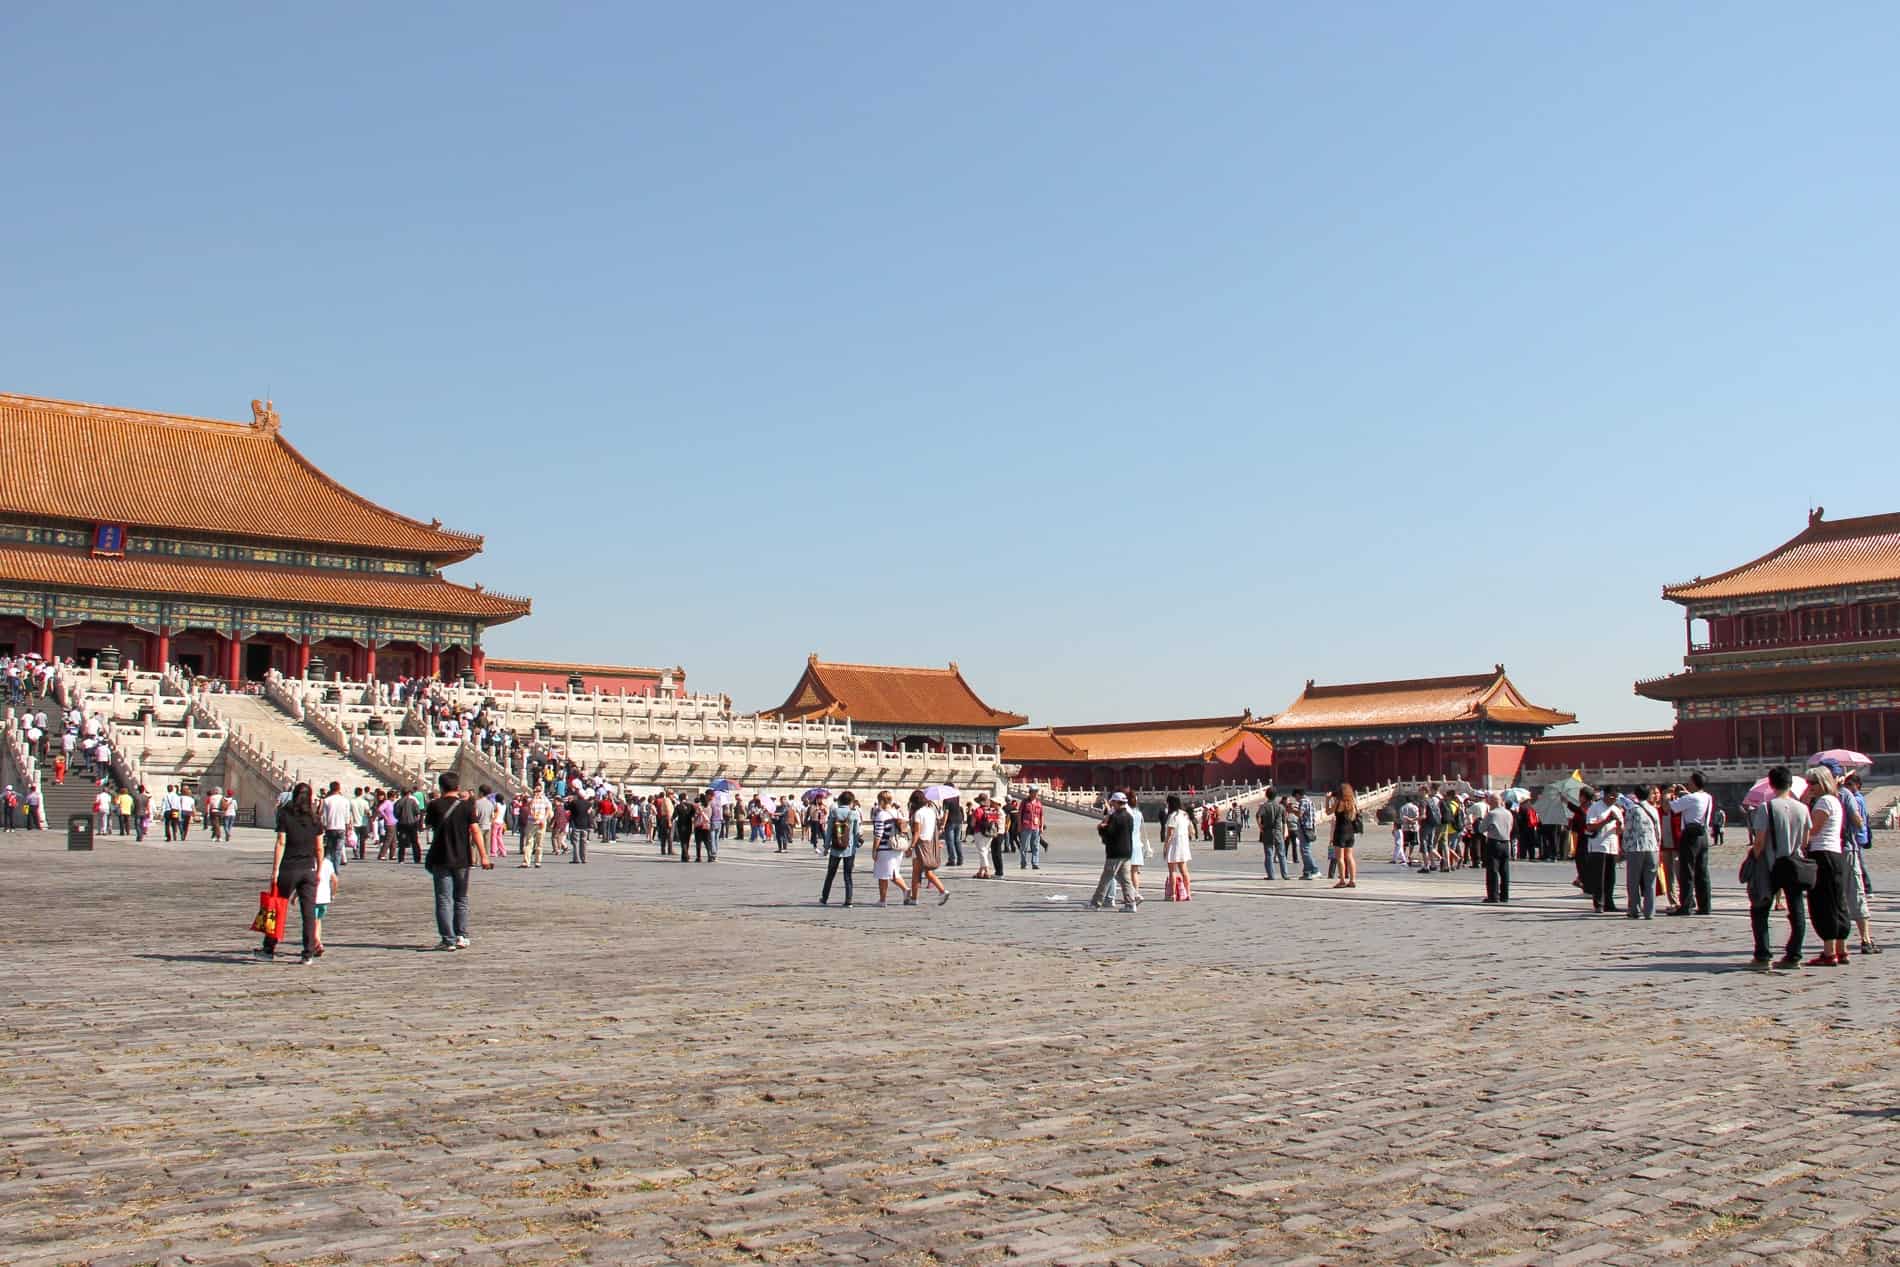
[
  {"x": 1179, "y": 852},
  {"x": 885, "y": 868}
]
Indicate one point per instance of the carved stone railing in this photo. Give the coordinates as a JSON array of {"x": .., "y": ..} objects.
[
  {"x": 491, "y": 770},
  {"x": 283, "y": 693},
  {"x": 380, "y": 755},
  {"x": 23, "y": 759}
]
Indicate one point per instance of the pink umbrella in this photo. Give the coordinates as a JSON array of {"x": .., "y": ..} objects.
[
  {"x": 1844, "y": 757},
  {"x": 1761, "y": 793}
]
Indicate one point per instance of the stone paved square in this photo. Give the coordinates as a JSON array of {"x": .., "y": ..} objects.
[{"x": 643, "y": 1062}]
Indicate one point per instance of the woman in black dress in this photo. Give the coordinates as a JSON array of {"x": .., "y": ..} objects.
[{"x": 293, "y": 865}]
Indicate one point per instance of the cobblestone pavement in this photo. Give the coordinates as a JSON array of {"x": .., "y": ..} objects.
[{"x": 643, "y": 1062}]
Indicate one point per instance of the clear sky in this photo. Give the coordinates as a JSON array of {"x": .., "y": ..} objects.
[{"x": 1145, "y": 359}]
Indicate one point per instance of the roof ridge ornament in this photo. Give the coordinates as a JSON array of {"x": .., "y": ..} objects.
[
  {"x": 264, "y": 417},
  {"x": 1814, "y": 516}
]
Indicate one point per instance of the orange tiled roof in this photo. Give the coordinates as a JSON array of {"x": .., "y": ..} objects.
[
  {"x": 1845, "y": 552},
  {"x": 1039, "y": 745},
  {"x": 99, "y": 464},
  {"x": 1190, "y": 738},
  {"x": 891, "y": 695},
  {"x": 1419, "y": 701},
  {"x": 1717, "y": 683},
  {"x": 1610, "y": 737},
  {"x": 303, "y": 587}
]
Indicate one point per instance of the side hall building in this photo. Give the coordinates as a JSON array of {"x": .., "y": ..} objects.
[
  {"x": 1189, "y": 754},
  {"x": 218, "y": 547},
  {"x": 1795, "y": 652},
  {"x": 1475, "y": 728},
  {"x": 897, "y": 708}
]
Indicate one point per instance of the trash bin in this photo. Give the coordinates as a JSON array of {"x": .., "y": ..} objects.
[
  {"x": 79, "y": 831},
  {"x": 1226, "y": 836}
]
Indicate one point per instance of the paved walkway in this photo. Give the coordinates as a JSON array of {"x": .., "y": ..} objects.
[{"x": 644, "y": 1062}]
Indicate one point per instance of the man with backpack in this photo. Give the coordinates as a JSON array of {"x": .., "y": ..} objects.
[
  {"x": 841, "y": 839},
  {"x": 408, "y": 826}
]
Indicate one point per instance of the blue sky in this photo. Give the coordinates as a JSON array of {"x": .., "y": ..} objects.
[{"x": 1146, "y": 360}]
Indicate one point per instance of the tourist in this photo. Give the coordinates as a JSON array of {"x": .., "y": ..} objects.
[
  {"x": 1604, "y": 822},
  {"x": 498, "y": 828},
  {"x": 335, "y": 813},
  {"x": 1697, "y": 809},
  {"x": 101, "y": 811},
  {"x": 484, "y": 818},
  {"x": 841, "y": 832},
  {"x": 1498, "y": 828},
  {"x": 1778, "y": 830},
  {"x": 1029, "y": 844},
  {"x": 1527, "y": 832},
  {"x": 214, "y": 812},
  {"x": 685, "y": 813},
  {"x": 1138, "y": 844},
  {"x": 705, "y": 815},
  {"x": 1272, "y": 819},
  {"x": 9, "y": 807},
  {"x": 1117, "y": 831},
  {"x": 295, "y": 857},
  {"x": 122, "y": 806},
  {"x": 409, "y": 825},
  {"x": 1642, "y": 849},
  {"x": 452, "y": 852},
  {"x": 580, "y": 814},
  {"x": 1827, "y": 900},
  {"x": 187, "y": 806},
  {"x": 1343, "y": 804},
  {"x": 1306, "y": 823},
  {"x": 535, "y": 823},
  {"x": 953, "y": 832},
  {"x": 327, "y": 885},
  {"x": 1176, "y": 831},
  {"x": 926, "y": 848},
  {"x": 1587, "y": 868},
  {"x": 230, "y": 808},
  {"x": 888, "y": 848},
  {"x": 817, "y": 821},
  {"x": 1855, "y": 839},
  {"x": 141, "y": 813},
  {"x": 557, "y": 824},
  {"x": 981, "y": 833}
]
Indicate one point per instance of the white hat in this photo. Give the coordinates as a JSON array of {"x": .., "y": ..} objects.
[{"x": 1118, "y": 799}]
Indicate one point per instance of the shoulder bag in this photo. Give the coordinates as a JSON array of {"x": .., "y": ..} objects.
[{"x": 1796, "y": 871}]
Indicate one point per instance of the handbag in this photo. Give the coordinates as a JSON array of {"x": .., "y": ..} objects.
[
  {"x": 929, "y": 854},
  {"x": 272, "y": 911},
  {"x": 1796, "y": 871}
]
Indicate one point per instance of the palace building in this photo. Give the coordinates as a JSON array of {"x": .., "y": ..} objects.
[
  {"x": 1185, "y": 755},
  {"x": 162, "y": 539},
  {"x": 897, "y": 708},
  {"x": 1795, "y": 652},
  {"x": 1474, "y": 728}
]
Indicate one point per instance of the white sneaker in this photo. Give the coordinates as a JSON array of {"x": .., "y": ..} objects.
[{"x": 461, "y": 943}]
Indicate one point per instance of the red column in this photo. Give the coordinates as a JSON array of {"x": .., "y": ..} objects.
[
  {"x": 234, "y": 659},
  {"x": 163, "y": 656},
  {"x": 303, "y": 656},
  {"x": 435, "y": 661},
  {"x": 46, "y": 641},
  {"x": 479, "y": 663}
]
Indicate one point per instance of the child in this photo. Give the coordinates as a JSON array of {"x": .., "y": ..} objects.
[{"x": 328, "y": 882}]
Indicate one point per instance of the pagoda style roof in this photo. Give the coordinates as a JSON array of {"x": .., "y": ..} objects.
[
  {"x": 1181, "y": 739},
  {"x": 561, "y": 666},
  {"x": 891, "y": 695},
  {"x": 164, "y": 577},
  {"x": 1040, "y": 745},
  {"x": 99, "y": 464},
  {"x": 1824, "y": 556},
  {"x": 1777, "y": 680},
  {"x": 1415, "y": 702}
]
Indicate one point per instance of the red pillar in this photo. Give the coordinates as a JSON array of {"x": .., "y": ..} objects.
[
  {"x": 479, "y": 663},
  {"x": 46, "y": 641},
  {"x": 369, "y": 662},
  {"x": 435, "y": 661},
  {"x": 163, "y": 655},
  {"x": 234, "y": 659},
  {"x": 303, "y": 656}
]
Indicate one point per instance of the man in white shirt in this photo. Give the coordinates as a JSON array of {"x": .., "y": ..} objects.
[
  {"x": 186, "y": 805},
  {"x": 1495, "y": 829},
  {"x": 1604, "y": 822},
  {"x": 1697, "y": 809},
  {"x": 334, "y": 810},
  {"x": 540, "y": 810}
]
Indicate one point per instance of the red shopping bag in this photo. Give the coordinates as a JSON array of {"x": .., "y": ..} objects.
[{"x": 272, "y": 911}]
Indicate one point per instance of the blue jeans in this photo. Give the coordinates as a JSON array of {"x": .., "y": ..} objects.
[
  {"x": 1307, "y": 866},
  {"x": 334, "y": 847},
  {"x": 451, "y": 903},
  {"x": 1276, "y": 852},
  {"x": 1030, "y": 854},
  {"x": 953, "y": 846}
]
